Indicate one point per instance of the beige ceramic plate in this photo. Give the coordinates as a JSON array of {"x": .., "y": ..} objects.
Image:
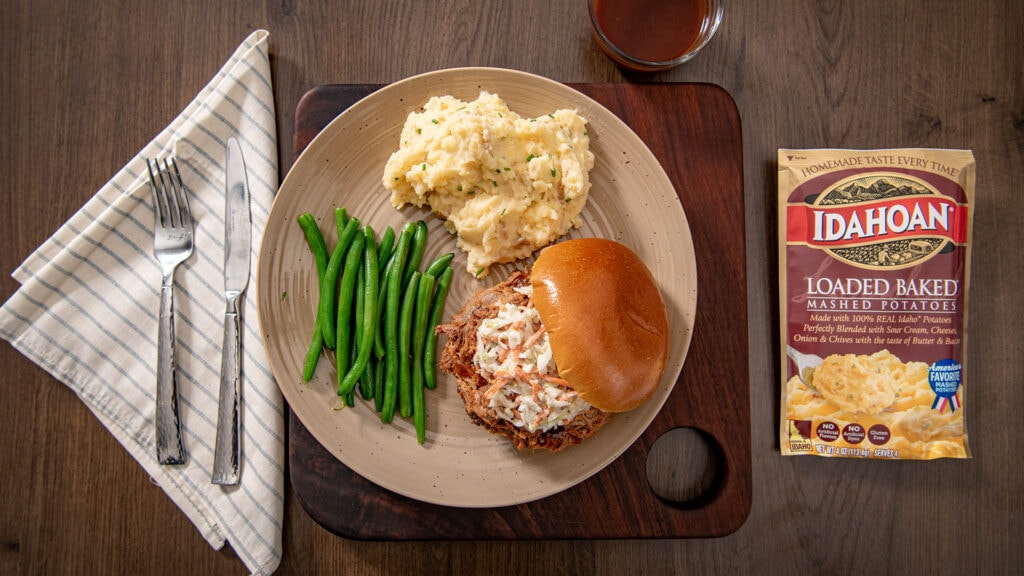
[{"x": 631, "y": 201}]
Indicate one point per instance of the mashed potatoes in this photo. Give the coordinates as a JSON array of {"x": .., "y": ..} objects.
[
  {"x": 859, "y": 383},
  {"x": 507, "y": 185}
]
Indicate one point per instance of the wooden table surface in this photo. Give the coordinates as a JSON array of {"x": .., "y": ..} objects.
[{"x": 87, "y": 84}]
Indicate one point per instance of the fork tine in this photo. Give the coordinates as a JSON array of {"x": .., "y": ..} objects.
[
  {"x": 170, "y": 199},
  {"x": 156, "y": 187},
  {"x": 181, "y": 197},
  {"x": 149, "y": 166}
]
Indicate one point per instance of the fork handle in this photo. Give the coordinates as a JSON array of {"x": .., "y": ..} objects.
[
  {"x": 169, "y": 449},
  {"x": 226, "y": 452}
]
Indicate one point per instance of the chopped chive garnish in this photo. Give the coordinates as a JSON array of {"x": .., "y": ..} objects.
[
  {"x": 507, "y": 169},
  {"x": 424, "y": 167},
  {"x": 495, "y": 182},
  {"x": 458, "y": 188},
  {"x": 552, "y": 172},
  {"x": 419, "y": 130},
  {"x": 552, "y": 116},
  {"x": 530, "y": 157},
  {"x": 434, "y": 120},
  {"x": 479, "y": 271}
]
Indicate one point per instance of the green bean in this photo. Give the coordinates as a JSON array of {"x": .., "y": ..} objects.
[
  {"x": 436, "y": 311},
  {"x": 419, "y": 246},
  {"x": 378, "y": 385},
  {"x": 437, "y": 266},
  {"x": 328, "y": 287},
  {"x": 394, "y": 255},
  {"x": 384, "y": 255},
  {"x": 313, "y": 355},
  {"x": 390, "y": 381},
  {"x": 422, "y": 316},
  {"x": 390, "y": 342},
  {"x": 378, "y": 339},
  {"x": 345, "y": 304},
  {"x": 316, "y": 242},
  {"x": 319, "y": 249},
  {"x": 387, "y": 242},
  {"x": 371, "y": 268},
  {"x": 357, "y": 317},
  {"x": 406, "y": 239},
  {"x": 366, "y": 381},
  {"x": 405, "y": 345},
  {"x": 341, "y": 219},
  {"x": 419, "y": 413},
  {"x": 367, "y": 385}
]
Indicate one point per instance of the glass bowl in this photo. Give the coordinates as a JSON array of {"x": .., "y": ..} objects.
[{"x": 653, "y": 35}]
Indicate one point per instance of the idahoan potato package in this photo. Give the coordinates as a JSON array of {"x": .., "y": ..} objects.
[{"x": 874, "y": 260}]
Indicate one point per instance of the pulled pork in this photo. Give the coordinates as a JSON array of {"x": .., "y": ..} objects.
[{"x": 457, "y": 359}]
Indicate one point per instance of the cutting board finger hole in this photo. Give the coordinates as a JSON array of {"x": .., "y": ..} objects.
[{"x": 685, "y": 467}]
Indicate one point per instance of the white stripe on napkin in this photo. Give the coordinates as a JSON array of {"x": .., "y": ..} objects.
[{"x": 87, "y": 311}]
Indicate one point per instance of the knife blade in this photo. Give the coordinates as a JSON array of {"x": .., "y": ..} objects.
[{"x": 237, "y": 245}]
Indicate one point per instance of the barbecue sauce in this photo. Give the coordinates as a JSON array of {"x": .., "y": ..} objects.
[{"x": 651, "y": 30}]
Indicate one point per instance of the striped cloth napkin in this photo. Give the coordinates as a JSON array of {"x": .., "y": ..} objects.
[{"x": 87, "y": 310}]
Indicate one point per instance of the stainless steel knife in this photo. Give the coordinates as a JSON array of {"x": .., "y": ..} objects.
[{"x": 237, "y": 245}]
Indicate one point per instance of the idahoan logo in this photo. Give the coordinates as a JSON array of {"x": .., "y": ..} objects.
[{"x": 879, "y": 221}]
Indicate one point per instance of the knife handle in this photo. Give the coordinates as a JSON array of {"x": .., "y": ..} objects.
[{"x": 226, "y": 452}]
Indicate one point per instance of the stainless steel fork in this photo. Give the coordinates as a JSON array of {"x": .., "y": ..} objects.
[{"x": 172, "y": 245}]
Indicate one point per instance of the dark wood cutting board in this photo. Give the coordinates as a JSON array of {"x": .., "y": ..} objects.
[{"x": 694, "y": 131}]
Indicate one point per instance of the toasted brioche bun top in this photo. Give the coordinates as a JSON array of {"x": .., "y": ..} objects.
[{"x": 605, "y": 318}]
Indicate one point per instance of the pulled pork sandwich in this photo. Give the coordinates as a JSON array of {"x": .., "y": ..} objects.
[{"x": 544, "y": 357}]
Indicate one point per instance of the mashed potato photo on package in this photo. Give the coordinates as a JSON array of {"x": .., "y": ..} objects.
[
  {"x": 878, "y": 400},
  {"x": 506, "y": 185}
]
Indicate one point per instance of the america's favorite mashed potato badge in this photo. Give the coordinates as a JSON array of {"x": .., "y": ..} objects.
[
  {"x": 506, "y": 185},
  {"x": 874, "y": 261}
]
